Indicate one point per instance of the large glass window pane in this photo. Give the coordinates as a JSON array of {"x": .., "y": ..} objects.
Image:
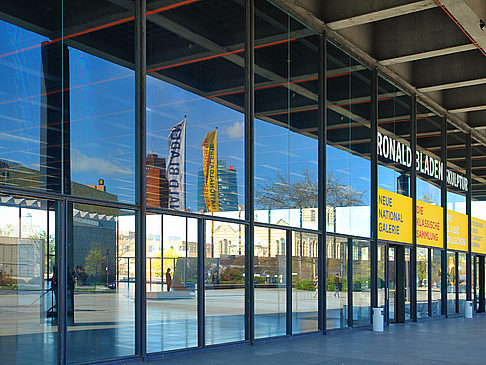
[
  {"x": 361, "y": 283},
  {"x": 286, "y": 123},
  {"x": 305, "y": 282},
  {"x": 381, "y": 284},
  {"x": 270, "y": 282},
  {"x": 429, "y": 126},
  {"x": 171, "y": 278},
  {"x": 436, "y": 281},
  {"x": 462, "y": 280},
  {"x": 348, "y": 150},
  {"x": 224, "y": 278},
  {"x": 337, "y": 282},
  {"x": 394, "y": 154},
  {"x": 99, "y": 101},
  {"x": 100, "y": 309},
  {"x": 195, "y": 104},
  {"x": 28, "y": 281},
  {"x": 31, "y": 103},
  {"x": 408, "y": 283},
  {"x": 451, "y": 282},
  {"x": 422, "y": 282}
]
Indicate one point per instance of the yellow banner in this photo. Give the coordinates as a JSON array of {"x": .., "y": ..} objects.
[
  {"x": 430, "y": 223},
  {"x": 456, "y": 231},
  {"x": 478, "y": 235},
  {"x": 394, "y": 217},
  {"x": 210, "y": 167}
]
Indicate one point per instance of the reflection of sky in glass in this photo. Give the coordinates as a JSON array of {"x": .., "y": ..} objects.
[
  {"x": 20, "y": 78},
  {"x": 456, "y": 202},
  {"x": 167, "y": 105},
  {"x": 428, "y": 192}
]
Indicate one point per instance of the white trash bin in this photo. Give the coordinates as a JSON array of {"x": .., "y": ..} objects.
[
  {"x": 468, "y": 309},
  {"x": 378, "y": 319}
]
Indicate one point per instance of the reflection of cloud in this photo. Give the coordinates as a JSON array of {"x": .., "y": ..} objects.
[
  {"x": 235, "y": 130},
  {"x": 84, "y": 163}
]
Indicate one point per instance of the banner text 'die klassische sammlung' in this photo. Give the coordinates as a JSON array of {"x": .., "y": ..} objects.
[{"x": 430, "y": 225}]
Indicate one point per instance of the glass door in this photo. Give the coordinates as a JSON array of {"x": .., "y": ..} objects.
[{"x": 391, "y": 283}]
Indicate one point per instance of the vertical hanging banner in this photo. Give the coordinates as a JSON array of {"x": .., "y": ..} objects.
[
  {"x": 478, "y": 235},
  {"x": 394, "y": 217},
  {"x": 430, "y": 223},
  {"x": 210, "y": 168},
  {"x": 457, "y": 225},
  {"x": 175, "y": 166}
]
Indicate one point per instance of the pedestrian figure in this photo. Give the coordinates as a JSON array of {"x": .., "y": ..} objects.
[
  {"x": 315, "y": 282},
  {"x": 168, "y": 279},
  {"x": 337, "y": 285}
]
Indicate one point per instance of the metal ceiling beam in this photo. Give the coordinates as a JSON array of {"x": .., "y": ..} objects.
[
  {"x": 428, "y": 54},
  {"x": 382, "y": 14}
]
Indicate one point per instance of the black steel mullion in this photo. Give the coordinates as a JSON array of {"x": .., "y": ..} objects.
[
  {"x": 387, "y": 273},
  {"x": 429, "y": 280},
  {"x": 374, "y": 189},
  {"x": 413, "y": 195},
  {"x": 140, "y": 142},
  {"x": 456, "y": 258},
  {"x": 322, "y": 145},
  {"x": 61, "y": 298},
  {"x": 201, "y": 254},
  {"x": 469, "y": 216},
  {"x": 249, "y": 169},
  {"x": 481, "y": 283},
  {"x": 443, "y": 191},
  {"x": 350, "y": 282},
  {"x": 288, "y": 280}
]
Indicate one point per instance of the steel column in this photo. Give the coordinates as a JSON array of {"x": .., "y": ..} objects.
[
  {"x": 443, "y": 195},
  {"x": 288, "y": 279},
  {"x": 469, "y": 215},
  {"x": 61, "y": 298},
  {"x": 201, "y": 254},
  {"x": 322, "y": 187},
  {"x": 140, "y": 140},
  {"x": 413, "y": 195},
  {"x": 249, "y": 168},
  {"x": 374, "y": 189},
  {"x": 350, "y": 282}
]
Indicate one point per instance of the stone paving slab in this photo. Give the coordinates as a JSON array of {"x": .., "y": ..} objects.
[{"x": 441, "y": 341}]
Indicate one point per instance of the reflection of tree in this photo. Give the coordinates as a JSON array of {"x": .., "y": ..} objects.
[
  {"x": 428, "y": 198},
  {"x": 51, "y": 249},
  {"x": 95, "y": 261},
  {"x": 283, "y": 192}
]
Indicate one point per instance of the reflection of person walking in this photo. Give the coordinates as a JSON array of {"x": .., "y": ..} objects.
[
  {"x": 168, "y": 279},
  {"x": 315, "y": 282},
  {"x": 337, "y": 285}
]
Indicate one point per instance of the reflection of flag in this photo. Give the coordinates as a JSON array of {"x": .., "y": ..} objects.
[
  {"x": 175, "y": 166},
  {"x": 210, "y": 168}
]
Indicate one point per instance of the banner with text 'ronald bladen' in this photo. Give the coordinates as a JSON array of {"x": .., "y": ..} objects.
[
  {"x": 430, "y": 223},
  {"x": 457, "y": 225},
  {"x": 210, "y": 168},
  {"x": 394, "y": 217},
  {"x": 478, "y": 235}
]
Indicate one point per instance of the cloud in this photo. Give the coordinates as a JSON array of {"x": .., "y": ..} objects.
[
  {"x": 235, "y": 130},
  {"x": 102, "y": 166}
]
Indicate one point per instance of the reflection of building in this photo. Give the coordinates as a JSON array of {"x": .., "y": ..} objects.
[
  {"x": 227, "y": 188},
  {"x": 157, "y": 183}
]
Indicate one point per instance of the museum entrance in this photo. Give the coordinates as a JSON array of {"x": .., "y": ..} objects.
[{"x": 394, "y": 281}]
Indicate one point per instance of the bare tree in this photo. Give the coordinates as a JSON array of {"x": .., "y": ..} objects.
[{"x": 302, "y": 192}]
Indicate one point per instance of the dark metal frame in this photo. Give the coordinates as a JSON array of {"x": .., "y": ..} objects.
[{"x": 63, "y": 202}]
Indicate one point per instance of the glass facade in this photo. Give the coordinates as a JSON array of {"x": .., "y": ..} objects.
[{"x": 230, "y": 184}]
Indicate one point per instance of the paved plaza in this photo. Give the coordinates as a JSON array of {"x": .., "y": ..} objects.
[{"x": 452, "y": 341}]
